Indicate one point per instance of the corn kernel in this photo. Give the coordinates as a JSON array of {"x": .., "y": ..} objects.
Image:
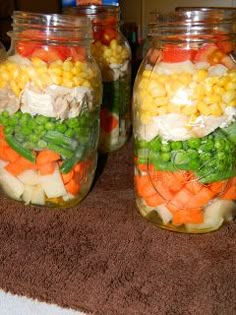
[
  {"x": 228, "y": 96},
  {"x": 231, "y": 86},
  {"x": 67, "y": 83},
  {"x": 203, "y": 108},
  {"x": 185, "y": 78},
  {"x": 189, "y": 110},
  {"x": 157, "y": 89},
  {"x": 211, "y": 99},
  {"x": 215, "y": 110},
  {"x": 67, "y": 65},
  {"x": 15, "y": 88},
  {"x": 200, "y": 75}
]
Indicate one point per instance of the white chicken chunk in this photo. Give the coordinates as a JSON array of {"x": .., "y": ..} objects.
[
  {"x": 56, "y": 101},
  {"x": 8, "y": 101}
]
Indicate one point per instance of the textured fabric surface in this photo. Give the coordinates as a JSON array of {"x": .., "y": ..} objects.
[{"x": 104, "y": 258}]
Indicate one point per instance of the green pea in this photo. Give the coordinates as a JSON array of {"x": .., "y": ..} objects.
[
  {"x": 176, "y": 145},
  {"x": 205, "y": 156},
  {"x": 18, "y": 115},
  {"x": 32, "y": 124},
  {"x": 42, "y": 144},
  {"x": 8, "y": 130},
  {"x": 165, "y": 156},
  {"x": 49, "y": 125},
  {"x": 194, "y": 143},
  {"x": 219, "y": 144},
  {"x": 5, "y": 114},
  {"x": 165, "y": 147},
  {"x": 194, "y": 164},
  {"x": 4, "y": 121},
  {"x": 25, "y": 130},
  {"x": 39, "y": 128},
  {"x": 192, "y": 154},
  {"x": 41, "y": 120},
  {"x": 73, "y": 122},
  {"x": 14, "y": 120},
  {"x": 70, "y": 133},
  {"x": 25, "y": 118},
  {"x": 61, "y": 128},
  {"x": 33, "y": 138},
  {"x": 155, "y": 144}
]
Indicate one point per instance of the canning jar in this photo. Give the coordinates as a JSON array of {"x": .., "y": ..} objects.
[
  {"x": 50, "y": 96},
  {"x": 112, "y": 53},
  {"x": 184, "y": 124}
]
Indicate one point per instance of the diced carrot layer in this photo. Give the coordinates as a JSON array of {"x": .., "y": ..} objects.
[
  {"x": 67, "y": 177},
  {"x": 19, "y": 166},
  {"x": 47, "y": 156},
  {"x": 181, "y": 193},
  {"x": 194, "y": 216},
  {"x": 46, "y": 169},
  {"x": 73, "y": 187},
  {"x": 230, "y": 192}
]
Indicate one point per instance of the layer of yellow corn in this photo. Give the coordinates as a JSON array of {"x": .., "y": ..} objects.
[
  {"x": 67, "y": 74},
  {"x": 189, "y": 94},
  {"x": 115, "y": 53}
]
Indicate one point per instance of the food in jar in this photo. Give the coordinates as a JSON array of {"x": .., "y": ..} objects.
[
  {"x": 112, "y": 54},
  {"x": 49, "y": 122},
  {"x": 184, "y": 130}
]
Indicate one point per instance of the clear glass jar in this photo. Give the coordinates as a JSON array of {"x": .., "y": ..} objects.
[
  {"x": 50, "y": 96},
  {"x": 184, "y": 109},
  {"x": 112, "y": 53}
]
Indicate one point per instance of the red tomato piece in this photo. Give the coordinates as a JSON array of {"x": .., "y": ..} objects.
[
  {"x": 209, "y": 53},
  {"x": 78, "y": 53},
  {"x": 173, "y": 53},
  {"x": 108, "y": 35},
  {"x": 108, "y": 121},
  {"x": 97, "y": 35},
  {"x": 47, "y": 54},
  {"x": 111, "y": 20},
  {"x": 25, "y": 47}
]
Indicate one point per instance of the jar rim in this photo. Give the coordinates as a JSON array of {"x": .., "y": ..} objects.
[
  {"x": 50, "y": 27},
  {"x": 193, "y": 21},
  {"x": 93, "y": 9}
]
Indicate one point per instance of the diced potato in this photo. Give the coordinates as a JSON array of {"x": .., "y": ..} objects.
[
  {"x": 38, "y": 196},
  {"x": 27, "y": 194},
  {"x": 214, "y": 215},
  {"x": 29, "y": 177},
  {"x": 11, "y": 185},
  {"x": 53, "y": 185},
  {"x": 164, "y": 213}
]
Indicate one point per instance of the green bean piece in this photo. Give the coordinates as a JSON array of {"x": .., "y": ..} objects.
[
  {"x": 17, "y": 146},
  {"x": 68, "y": 164},
  {"x": 65, "y": 153},
  {"x": 58, "y": 138}
]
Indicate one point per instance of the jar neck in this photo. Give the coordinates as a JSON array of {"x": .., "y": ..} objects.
[
  {"x": 196, "y": 26},
  {"x": 54, "y": 29},
  {"x": 101, "y": 15}
]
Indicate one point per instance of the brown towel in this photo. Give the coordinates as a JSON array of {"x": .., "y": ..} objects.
[{"x": 104, "y": 258}]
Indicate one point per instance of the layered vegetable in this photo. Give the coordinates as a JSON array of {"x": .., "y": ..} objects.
[
  {"x": 113, "y": 57},
  {"x": 184, "y": 129},
  {"x": 49, "y": 122}
]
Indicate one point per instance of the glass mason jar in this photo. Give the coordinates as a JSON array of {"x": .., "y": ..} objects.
[
  {"x": 112, "y": 53},
  {"x": 184, "y": 110},
  {"x": 50, "y": 96}
]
